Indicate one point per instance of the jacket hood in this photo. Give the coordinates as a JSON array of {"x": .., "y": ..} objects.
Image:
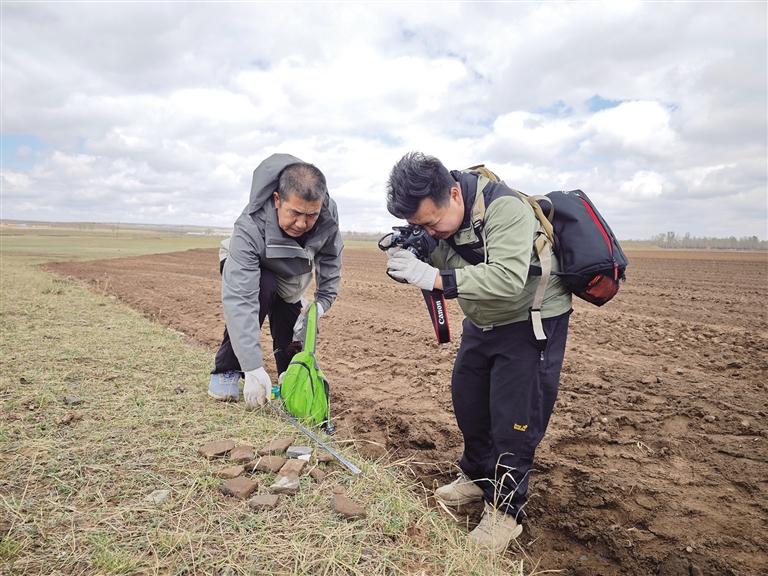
[{"x": 265, "y": 180}]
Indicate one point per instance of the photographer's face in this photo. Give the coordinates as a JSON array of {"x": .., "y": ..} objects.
[
  {"x": 296, "y": 216},
  {"x": 440, "y": 221}
]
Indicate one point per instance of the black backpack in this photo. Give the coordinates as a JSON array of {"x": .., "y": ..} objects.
[{"x": 591, "y": 260}]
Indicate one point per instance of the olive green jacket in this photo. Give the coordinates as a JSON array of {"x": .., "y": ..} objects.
[{"x": 499, "y": 289}]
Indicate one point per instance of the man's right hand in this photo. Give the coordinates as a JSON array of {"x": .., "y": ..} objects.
[{"x": 258, "y": 387}]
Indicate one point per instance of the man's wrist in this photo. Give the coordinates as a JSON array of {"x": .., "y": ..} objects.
[{"x": 448, "y": 285}]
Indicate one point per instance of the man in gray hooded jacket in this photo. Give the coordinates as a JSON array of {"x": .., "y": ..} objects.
[{"x": 289, "y": 229}]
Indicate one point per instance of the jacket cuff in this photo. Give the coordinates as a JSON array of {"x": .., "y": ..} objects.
[
  {"x": 324, "y": 302},
  {"x": 450, "y": 289},
  {"x": 254, "y": 359}
]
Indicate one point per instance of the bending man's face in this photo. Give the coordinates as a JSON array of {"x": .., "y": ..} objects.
[
  {"x": 442, "y": 221},
  {"x": 296, "y": 216}
]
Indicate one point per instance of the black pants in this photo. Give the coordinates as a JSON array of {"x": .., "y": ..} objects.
[
  {"x": 504, "y": 390},
  {"x": 282, "y": 317}
]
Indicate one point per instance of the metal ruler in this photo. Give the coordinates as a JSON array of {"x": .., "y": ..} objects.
[{"x": 315, "y": 438}]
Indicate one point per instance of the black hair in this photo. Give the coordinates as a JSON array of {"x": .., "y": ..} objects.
[
  {"x": 304, "y": 180},
  {"x": 415, "y": 177}
]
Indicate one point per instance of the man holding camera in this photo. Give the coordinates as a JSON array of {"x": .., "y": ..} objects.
[
  {"x": 289, "y": 228},
  {"x": 505, "y": 381}
]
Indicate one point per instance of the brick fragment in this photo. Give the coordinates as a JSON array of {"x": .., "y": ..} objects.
[
  {"x": 216, "y": 449},
  {"x": 346, "y": 507},
  {"x": 276, "y": 445},
  {"x": 317, "y": 474},
  {"x": 230, "y": 472},
  {"x": 292, "y": 467},
  {"x": 324, "y": 456},
  {"x": 266, "y": 464},
  {"x": 242, "y": 453},
  {"x": 263, "y": 502},
  {"x": 240, "y": 487}
]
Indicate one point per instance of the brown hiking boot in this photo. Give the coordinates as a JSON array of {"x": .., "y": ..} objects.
[
  {"x": 461, "y": 491},
  {"x": 496, "y": 530}
]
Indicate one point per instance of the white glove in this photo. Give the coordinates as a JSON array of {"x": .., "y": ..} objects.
[
  {"x": 385, "y": 243},
  {"x": 301, "y": 322},
  {"x": 403, "y": 265},
  {"x": 258, "y": 387}
]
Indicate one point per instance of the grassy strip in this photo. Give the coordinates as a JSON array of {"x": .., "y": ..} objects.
[
  {"x": 41, "y": 244},
  {"x": 75, "y": 479}
]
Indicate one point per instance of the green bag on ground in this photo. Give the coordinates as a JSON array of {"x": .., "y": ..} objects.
[{"x": 304, "y": 389}]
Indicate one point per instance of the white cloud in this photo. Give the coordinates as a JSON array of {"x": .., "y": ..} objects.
[
  {"x": 643, "y": 186},
  {"x": 641, "y": 128},
  {"x": 160, "y": 112}
]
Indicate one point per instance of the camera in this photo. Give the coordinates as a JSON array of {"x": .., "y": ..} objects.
[
  {"x": 412, "y": 238},
  {"x": 416, "y": 240}
]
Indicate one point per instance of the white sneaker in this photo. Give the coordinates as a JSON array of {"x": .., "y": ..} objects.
[
  {"x": 224, "y": 386},
  {"x": 461, "y": 491},
  {"x": 496, "y": 530}
]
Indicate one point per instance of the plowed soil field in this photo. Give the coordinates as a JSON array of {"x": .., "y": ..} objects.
[{"x": 656, "y": 459}]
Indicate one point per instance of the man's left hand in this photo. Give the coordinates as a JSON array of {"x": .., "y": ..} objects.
[{"x": 404, "y": 266}]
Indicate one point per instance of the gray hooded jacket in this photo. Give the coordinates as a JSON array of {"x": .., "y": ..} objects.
[{"x": 258, "y": 241}]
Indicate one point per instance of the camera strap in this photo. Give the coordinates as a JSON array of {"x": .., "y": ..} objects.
[{"x": 438, "y": 313}]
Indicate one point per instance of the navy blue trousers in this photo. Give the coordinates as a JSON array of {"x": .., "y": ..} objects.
[
  {"x": 282, "y": 317},
  {"x": 504, "y": 389}
]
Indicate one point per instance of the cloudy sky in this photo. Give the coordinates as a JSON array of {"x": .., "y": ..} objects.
[{"x": 159, "y": 112}]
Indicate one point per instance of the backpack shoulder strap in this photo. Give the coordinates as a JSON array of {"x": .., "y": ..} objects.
[
  {"x": 544, "y": 252},
  {"x": 543, "y": 244},
  {"x": 477, "y": 221},
  {"x": 478, "y": 208},
  {"x": 545, "y": 220},
  {"x": 310, "y": 338}
]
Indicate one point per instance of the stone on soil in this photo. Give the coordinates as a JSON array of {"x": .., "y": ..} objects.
[
  {"x": 277, "y": 445},
  {"x": 158, "y": 497},
  {"x": 263, "y": 501},
  {"x": 216, "y": 449},
  {"x": 242, "y": 453},
  {"x": 346, "y": 507},
  {"x": 292, "y": 467},
  {"x": 285, "y": 485},
  {"x": 73, "y": 400},
  {"x": 324, "y": 457},
  {"x": 230, "y": 472},
  {"x": 296, "y": 451},
  {"x": 70, "y": 418},
  {"x": 240, "y": 487},
  {"x": 317, "y": 474},
  {"x": 266, "y": 464}
]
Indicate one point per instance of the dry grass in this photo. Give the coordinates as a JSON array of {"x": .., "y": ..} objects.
[{"x": 75, "y": 478}]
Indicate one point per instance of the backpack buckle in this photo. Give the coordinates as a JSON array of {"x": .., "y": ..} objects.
[{"x": 538, "y": 329}]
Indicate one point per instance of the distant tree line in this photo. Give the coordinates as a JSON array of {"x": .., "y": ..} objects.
[{"x": 673, "y": 240}]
